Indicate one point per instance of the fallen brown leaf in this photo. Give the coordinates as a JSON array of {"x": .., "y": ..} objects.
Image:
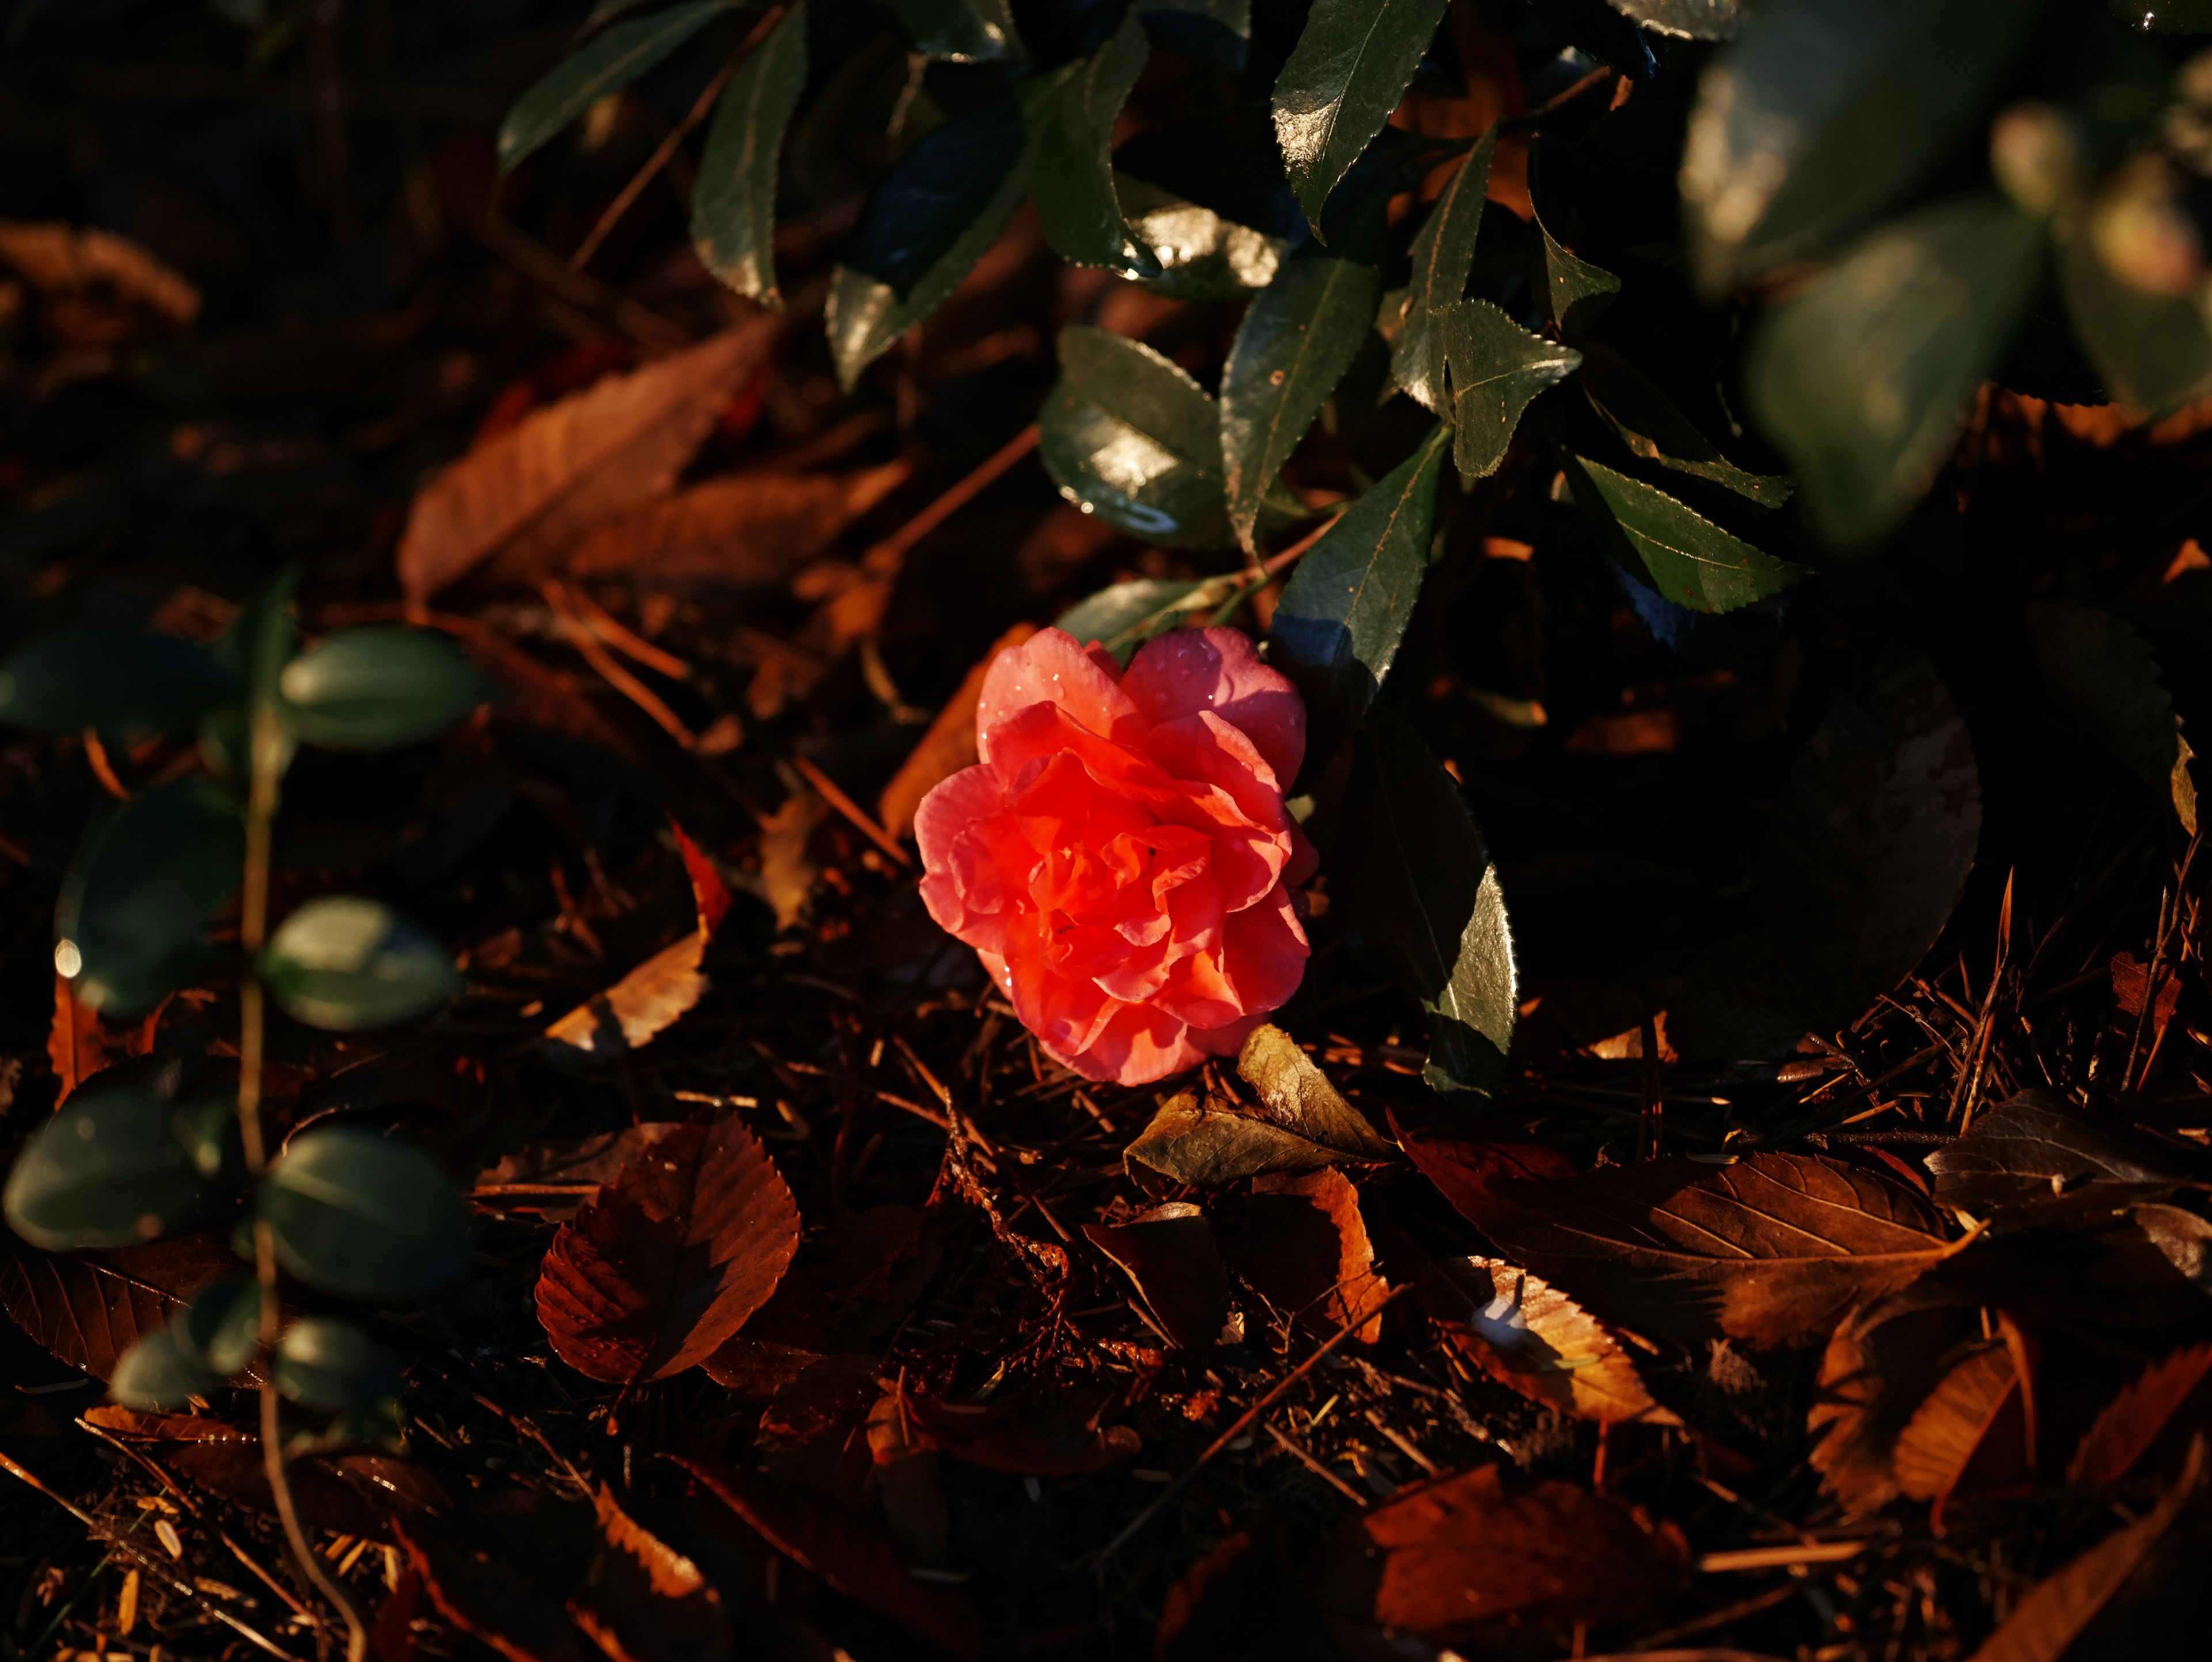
[
  {"x": 1300, "y": 1241},
  {"x": 947, "y": 745},
  {"x": 1770, "y": 1250},
  {"x": 1465, "y": 1169},
  {"x": 642, "y": 1601},
  {"x": 654, "y": 995},
  {"x": 1038, "y": 1433},
  {"x": 1945, "y": 1431},
  {"x": 670, "y": 1257},
  {"x": 1532, "y": 1338},
  {"x": 1880, "y": 1363},
  {"x": 93, "y": 280},
  {"x": 749, "y": 530},
  {"x": 502, "y": 1571},
  {"x": 530, "y": 494},
  {"x": 1445, "y": 1558},
  {"x": 80, "y": 1044},
  {"x": 788, "y": 875},
  {"x": 2137, "y": 1416},
  {"x": 1297, "y": 1096},
  {"x": 88, "y": 1308},
  {"x": 1170, "y": 1256}
]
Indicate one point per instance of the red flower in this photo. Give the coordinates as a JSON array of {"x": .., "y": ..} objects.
[{"x": 1118, "y": 860}]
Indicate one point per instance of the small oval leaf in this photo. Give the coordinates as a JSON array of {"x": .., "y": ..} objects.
[
  {"x": 156, "y": 1375},
  {"x": 138, "y": 903},
  {"x": 379, "y": 688},
  {"x": 345, "y": 964},
  {"x": 323, "y": 1362},
  {"x": 364, "y": 1217},
  {"x": 108, "y": 1169},
  {"x": 69, "y": 680}
]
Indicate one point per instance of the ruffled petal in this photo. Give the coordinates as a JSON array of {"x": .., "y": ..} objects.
[
  {"x": 1051, "y": 667},
  {"x": 1264, "y": 952},
  {"x": 1190, "y": 670},
  {"x": 1139, "y": 1044},
  {"x": 975, "y": 872}
]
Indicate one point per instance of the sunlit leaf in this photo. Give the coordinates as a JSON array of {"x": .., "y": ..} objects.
[
  {"x": 142, "y": 894},
  {"x": 347, "y": 963},
  {"x": 379, "y": 688},
  {"x": 1128, "y": 435},
  {"x": 1497, "y": 369},
  {"x": 1693, "y": 561},
  {"x": 1076, "y": 201},
  {"x": 1442, "y": 256},
  {"x": 1532, "y": 1338},
  {"x": 606, "y": 63},
  {"x": 1576, "y": 292},
  {"x": 734, "y": 204},
  {"x": 1347, "y": 72}
]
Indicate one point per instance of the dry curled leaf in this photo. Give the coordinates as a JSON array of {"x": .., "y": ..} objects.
[
  {"x": 1297, "y": 1096},
  {"x": 654, "y": 995},
  {"x": 749, "y": 530},
  {"x": 502, "y": 1571},
  {"x": 2136, "y": 1418},
  {"x": 1945, "y": 1431},
  {"x": 1465, "y": 1169},
  {"x": 670, "y": 1257},
  {"x": 1301, "y": 1125},
  {"x": 1443, "y": 1559},
  {"x": 1300, "y": 1241},
  {"x": 530, "y": 494},
  {"x": 642, "y": 1601},
  {"x": 946, "y": 746},
  {"x": 80, "y": 1044},
  {"x": 1880, "y": 1363},
  {"x": 1532, "y": 1338},
  {"x": 1771, "y": 1250},
  {"x": 92, "y": 281},
  {"x": 1170, "y": 1256}
]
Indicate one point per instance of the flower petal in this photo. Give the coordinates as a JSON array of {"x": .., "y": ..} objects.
[
  {"x": 1051, "y": 667},
  {"x": 1190, "y": 670},
  {"x": 1139, "y": 1045}
]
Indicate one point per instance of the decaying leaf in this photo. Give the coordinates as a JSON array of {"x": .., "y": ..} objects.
[
  {"x": 905, "y": 1474},
  {"x": 529, "y": 495},
  {"x": 642, "y": 1601},
  {"x": 503, "y": 1570},
  {"x": 1443, "y": 1559},
  {"x": 787, "y": 873},
  {"x": 2031, "y": 1149},
  {"x": 947, "y": 745},
  {"x": 1532, "y": 1338},
  {"x": 368, "y": 1495},
  {"x": 564, "y": 1166},
  {"x": 1299, "y": 1240},
  {"x": 1038, "y": 1434},
  {"x": 92, "y": 281},
  {"x": 2131, "y": 992},
  {"x": 1879, "y": 1365},
  {"x": 749, "y": 530},
  {"x": 1465, "y": 1170},
  {"x": 845, "y": 1548},
  {"x": 129, "y": 1422},
  {"x": 671, "y": 1257},
  {"x": 1945, "y": 1431},
  {"x": 849, "y": 1286},
  {"x": 89, "y": 1308},
  {"x": 651, "y": 996},
  {"x": 1170, "y": 1254},
  {"x": 80, "y": 1044},
  {"x": 2134, "y": 1420},
  {"x": 2106, "y": 673},
  {"x": 1301, "y": 1125},
  {"x": 1771, "y": 1250}
]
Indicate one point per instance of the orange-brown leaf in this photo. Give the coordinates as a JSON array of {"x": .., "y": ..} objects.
[
  {"x": 80, "y": 1044},
  {"x": 670, "y": 1257},
  {"x": 947, "y": 746},
  {"x": 530, "y": 494},
  {"x": 653, "y": 996},
  {"x": 1879, "y": 1365},
  {"x": 1299, "y": 1239},
  {"x": 1532, "y": 1338},
  {"x": 1465, "y": 1170},
  {"x": 2135, "y": 1419},
  {"x": 1948, "y": 1426},
  {"x": 1170, "y": 1254},
  {"x": 89, "y": 1308},
  {"x": 747, "y": 531},
  {"x": 93, "y": 279},
  {"x": 643, "y": 1601}
]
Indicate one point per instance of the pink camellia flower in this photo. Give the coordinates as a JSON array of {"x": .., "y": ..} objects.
[{"x": 1118, "y": 860}]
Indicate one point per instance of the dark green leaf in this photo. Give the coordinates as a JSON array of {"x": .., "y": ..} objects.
[
  {"x": 1497, "y": 369},
  {"x": 1298, "y": 336},
  {"x": 326, "y": 1363},
  {"x": 1337, "y": 627},
  {"x": 260, "y": 640},
  {"x": 964, "y": 31},
  {"x": 1201, "y": 256},
  {"x": 1693, "y": 561},
  {"x": 606, "y": 63},
  {"x": 345, "y": 964},
  {"x": 1076, "y": 204},
  {"x": 1697, "y": 19},
  {"x": 2164, "y": 16},
  {"x": 119, "y": 683},
  {"x": 1350, "y": 68},
  {"x": 1575, "y": 292},
  {"x": 1421, "y": 903},
  {"x": 1651, "y": 425},
  {"x": 1125, "y": 608},
  {"x": 2109, "y": 678},
  {"x": 221, "y": 1329},
  {"x": 734, "y": 203},
  {"x": 157, "y": 1376},
  {"x": 142, "y": 894},
  {"x": 1443, "y": 255},
  {"x": 363, "y": 1217},
  {"x": 1870, "y": 844},
  {"x": 930, "y": 203},
  {"x": 1824, "y": 111},
  {"x": 1130, "y": 437},
  {"x": 379, "y": 688},
  {"x": 2153, "y": 351},
  {"x": 108, "y": 1169},
  {"x": 1220, "y": 30},
  {"x": 1864, "y": 378}
]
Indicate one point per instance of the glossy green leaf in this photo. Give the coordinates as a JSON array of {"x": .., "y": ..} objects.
[
  {"x": 1693, "y": 561},
  {"x": 2152, "y": 351},
  {"x": 1694, "y": 20},
  {"x": 1200, "y": 255},
  {"x": 364, "y": 1217},
  {"x": 157, "y": 1375},
  {"x": 1342, "y": 615},
  {"x": 734, "y": 203},
  {"x": 935, "y": 227},
  {"x": 1443, "y": 255},
  {"x": 1651, "y": 426},
  {"x": 69, "y": 680},
  {"x": 2108, "y": 677},
  {"x": 1130, "y": 437},
  {"x": 2164, "y": 16},
  {"x": 1076, "y": 204},
  {"x": 1497, "y": 369},
  {"x": 1824, "y": 112},
  {"x": 1298, "y": 336},
  {"x": 1864, "y": 378},
  {"x": 1124, "y": 608},
  {"x": 1421, "y": 903},
  {"x": 1219, "y": 30},
  {"x": 139, "y": 898},
  {"x": 346, "y": 963},
  {"x": 1350, "y": 68},
  {"x": 324, "y": 1362},
  {"x": 107, "y": 1169},
  {"x": 963, "y": 31},
  {"x": 1575, "y": 292},
  {"x": 605, "y": 63},
  {"x": 379, "y": 688}
]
